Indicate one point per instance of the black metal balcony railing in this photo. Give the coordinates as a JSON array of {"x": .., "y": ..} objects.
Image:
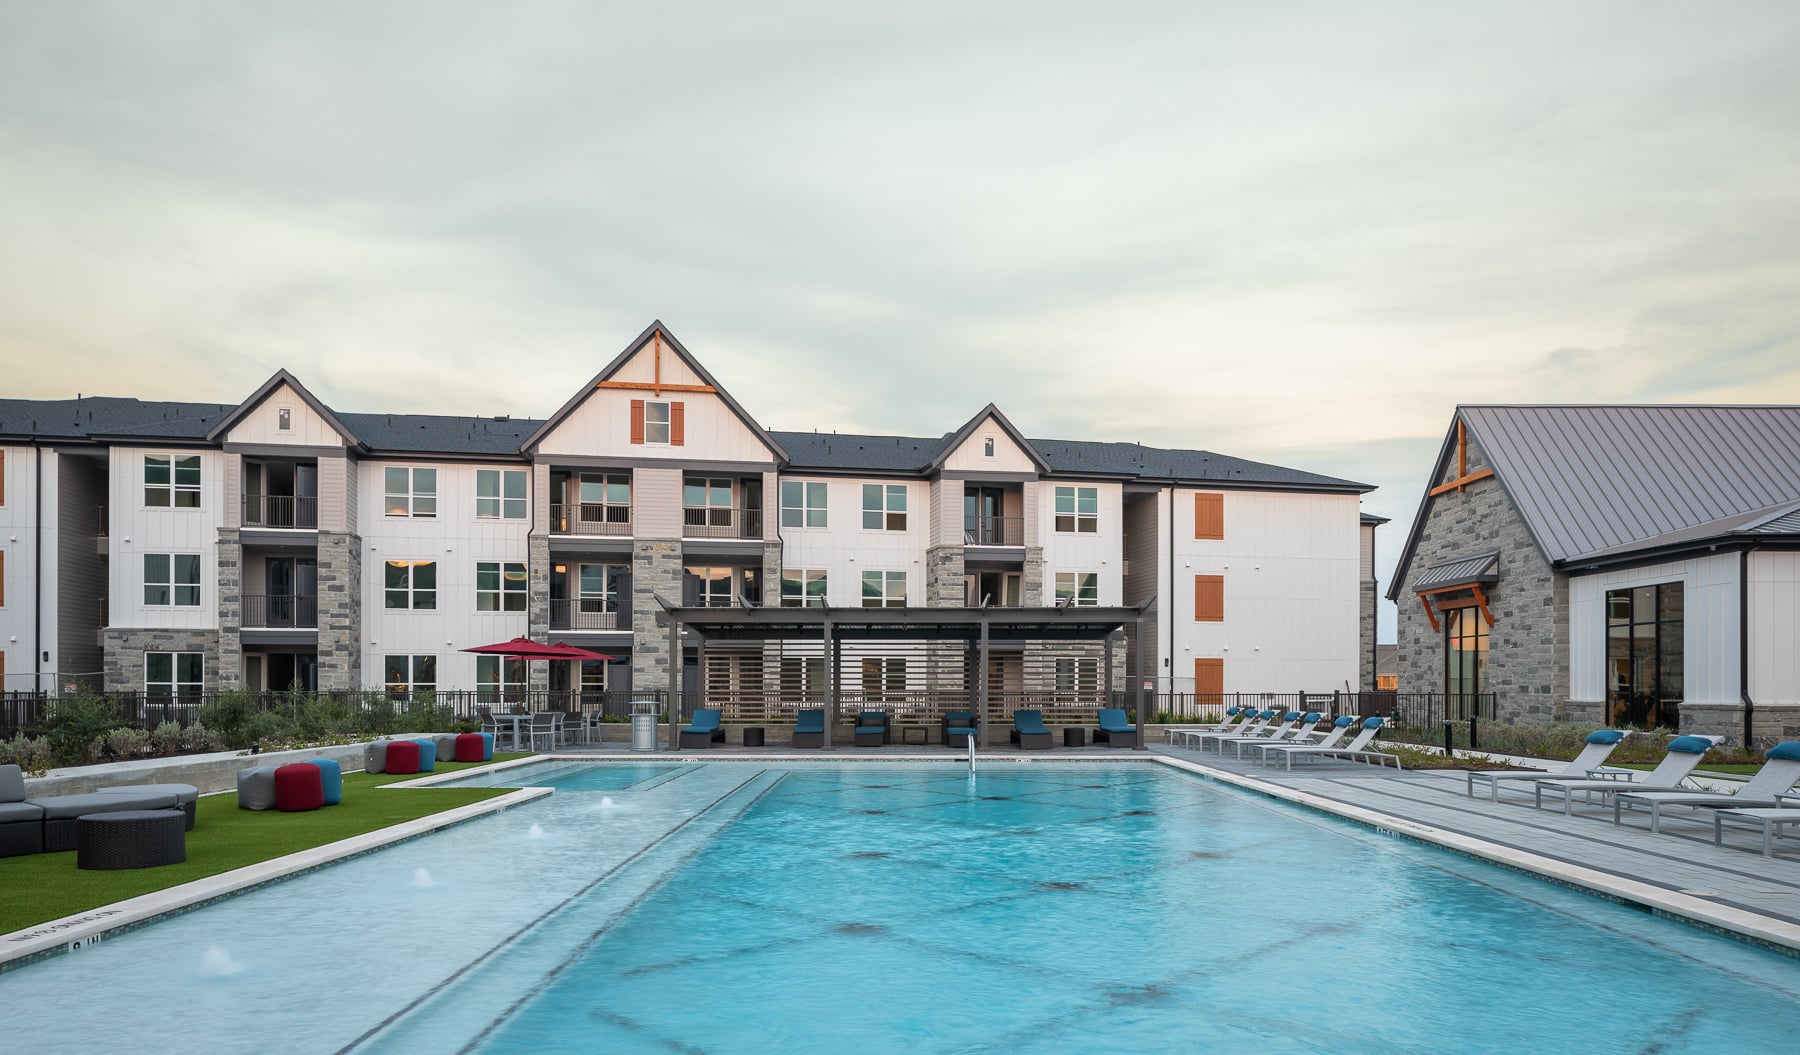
[
  {"x": 281, "y": 511},
  {"x": 588, "y": 614},
  {"x": 279, "y": 611},
  {"x": 993, "y": 531},
  {"x": 721, "y": 522},
  {"x": 589, "y": 518}
]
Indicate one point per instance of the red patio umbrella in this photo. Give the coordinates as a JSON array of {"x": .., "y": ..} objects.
[
  {"x": 521, "y": 647},
  {"x": 568, "y": 651}
]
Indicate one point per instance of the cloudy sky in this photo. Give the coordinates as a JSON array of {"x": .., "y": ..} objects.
[{"x": 1298, "y": 233}]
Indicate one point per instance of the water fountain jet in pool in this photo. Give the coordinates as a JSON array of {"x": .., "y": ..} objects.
[
  {"x": 215, "y": 962},
  {"x": 422, "y": 879}
]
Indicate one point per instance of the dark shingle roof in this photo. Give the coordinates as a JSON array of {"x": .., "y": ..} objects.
[
  {"x": 438, "y": 434},
  {"x": 844, "y": 451},
  {"x": 107, "y": 416}
]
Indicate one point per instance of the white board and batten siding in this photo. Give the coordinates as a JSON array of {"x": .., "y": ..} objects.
[
  {"x": 1774, "y": 617},
  {"x": 456, "y": 539},
  {"x": 844, "y": 550},
  {"x": 1290, "y": 563},
  {"x": 19, "y": 540},
  {"x": 1709, "y": 632},
  {"x": 600, "y": 426},
  {"x": 971, "y": 455},
  {"x": 137, "y": 529},
  {"x": 1101, "y": 551},
  {"x": 262, "y": 425}
]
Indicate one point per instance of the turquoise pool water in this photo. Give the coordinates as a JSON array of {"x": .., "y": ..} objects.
[{"x": 886, "y": 907}]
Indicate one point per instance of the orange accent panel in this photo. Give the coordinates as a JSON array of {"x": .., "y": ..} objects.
[
  {"x": 637, "y": 421},
  {"x": 1209, "y": 677},
  {"x": 1209, "y": 598},
  {"x": 646, "y": 386},
  {"x": 1436, "y": 627},
  {"x": 1209, "y": 515},
  {"x": 657, "y": 375},
  {"x": 677, "y": 424},
  {"x": 1481, "y": 600}
]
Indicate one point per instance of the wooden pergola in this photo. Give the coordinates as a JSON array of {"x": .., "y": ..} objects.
[{"x": 975, "y": 628}]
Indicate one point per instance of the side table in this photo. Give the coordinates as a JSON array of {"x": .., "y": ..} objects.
[
  {"x": 753, "y": 736},
  {"x": 1074, "y": 736},
  {"x": 131, "y": 839}
]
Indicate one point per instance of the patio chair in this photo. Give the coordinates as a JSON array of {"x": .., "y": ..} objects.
[
  {"x": 1780, "y": 771},
  {"x": 1257, "y": 720},
  {"x": 1276, "y": 728},
  {"x": 1600, "y": 743},
  {"x": 1028, "y": 730},
  {"x": 1115, "y": 728},
  {"x": 958, "y": 727},
  {"x": 1356, "y": 748},
  {"x": 871, "y": 728},
  {"x": 1293, "y": 734},
  {"x": 703, "y": 729},
  {"x": 1684, "y": 755},
  {"x": 809, "y": 728},
  {"x": 544, "y": 726},
  {"x": 1333, "y": 736},
  {"x": 1172, "y": 733}
]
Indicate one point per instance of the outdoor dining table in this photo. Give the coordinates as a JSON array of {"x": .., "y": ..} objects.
[{"x": 513, "y": 721}]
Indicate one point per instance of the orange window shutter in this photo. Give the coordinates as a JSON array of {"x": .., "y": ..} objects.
[
  {"x": 1209, "y": 515},
  {"x": 1209, "y": 598},
  {"x": 1209, "y": 677},
  {"x": 637, "y": 421},
  {"x": 677, "y": 423}
]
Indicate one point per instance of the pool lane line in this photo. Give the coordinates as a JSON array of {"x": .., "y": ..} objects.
[
  {"x": 1736, "y": 922},
  {"x": 380, "y": 1027},
  {"x": 72, "y": 932}
]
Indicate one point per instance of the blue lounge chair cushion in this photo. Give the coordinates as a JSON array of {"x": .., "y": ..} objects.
[
  {"x": 1312, "y": 716},
  {"x": 1347, "y": 719},
  {"x": 1691, "y": 745},
  {"x": 810, "y": 721},
  {"x": 1788, "y": 749},
  {"x": 1605, "y": 736},
  {"x": 1029, "y": 721},
  {"x": 1112, "y": 719},
  {"x": 1374, "y": 723},
  {"x": 705, "y": 720}
]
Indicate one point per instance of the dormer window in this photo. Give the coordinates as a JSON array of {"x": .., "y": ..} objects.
[
  {"x": 656, "y": 421},
  {"x": 284, "y": 419},
  {"x": 987, "y": 447}
]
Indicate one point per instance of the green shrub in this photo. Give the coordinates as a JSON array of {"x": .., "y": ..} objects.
[
  {"x": 226, "y": 716},
  {"x": 29, "y": 753},
  {"x": 166, "y": 738},
  {"x": 76, "y": 731},
  {"x": 129, "y": 742},
  {"x": 197, "y": 738}
]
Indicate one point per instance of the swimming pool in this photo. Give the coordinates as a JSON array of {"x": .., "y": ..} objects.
[{"x": 748, "y": 907}]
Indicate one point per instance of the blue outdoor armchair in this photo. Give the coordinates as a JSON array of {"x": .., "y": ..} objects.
[
  {"x": 1115, "y": 728},
  {"x": 704, "y": 731},
  {"x": 1029, "y": 732},
  {"x": 809, "y": 728}
]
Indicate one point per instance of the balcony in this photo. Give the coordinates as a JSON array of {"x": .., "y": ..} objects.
[
  {"x": 589, "y": 518},
  {"x": 590, "y": 613},
  {"x": 281, "y": 611},
  {"x": 993, "y": 531},
  {"x": 721, "y": 522},
  {"x": 281, "y": 511}
]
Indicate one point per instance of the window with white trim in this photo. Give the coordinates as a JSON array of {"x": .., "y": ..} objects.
[
  {"x": 411, "y": 674},
  {"x": 500, "y": 586},
  {"x": 1078, "y": 588},
  {"x": 802, "y": 588},
  {"x": 504, "y": 675},
  {"x": 174, "y": 673},
  {"x": 884, "y": 507},
  {"x": 412, "y": 584},
  {"x": 411, "y": 491},
  {"x": 499, "y": 494},
  {"x": 172, "y": 481},
  {"x": 884, "y": 589},
  {"x": 172, "y": 579},
  {"x": 802, "y": 504},
  {"x": 656, "y": 421},
  {"x": 1078, "y": 509}
]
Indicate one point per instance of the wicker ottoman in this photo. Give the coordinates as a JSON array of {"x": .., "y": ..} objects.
[
  {"x": 469, "y": 748},
  {"x": 186, "y": 795},
  {"x": 299, "y": 788},
  {"x": 402, "y": 757},
  {"x": 331, "y": 779},
  {"x": 131, "y": 839}
]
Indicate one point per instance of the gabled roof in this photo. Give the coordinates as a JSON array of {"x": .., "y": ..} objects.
[
  {"x": 92, "y": 417},
  {"x": 1371, "y": 519},
  {"x": 1483, "y": 568},
  {"x": 956, "y": 439},
  {"x": 280, "y": 378},
  {"x": 655, "y": 328},
  {"x": 441, "y": 434},
  {"x": 1599, "y": 481}
]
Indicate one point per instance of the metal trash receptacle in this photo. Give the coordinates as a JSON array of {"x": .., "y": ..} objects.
[{"x": 643, "y": 724}]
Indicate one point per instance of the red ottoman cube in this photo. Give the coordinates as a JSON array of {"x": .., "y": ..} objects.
[
  {"x": 470, "y": 747},
  {"x": 402, "y": 756},
  {"x": 298, "y": 788}
]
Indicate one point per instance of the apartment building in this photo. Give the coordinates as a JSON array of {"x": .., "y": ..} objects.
[{"x": 180, "y": 547}]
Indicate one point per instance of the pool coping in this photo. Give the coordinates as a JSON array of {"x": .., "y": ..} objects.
[
  {"x": 1732, "y": 922},
  {"x": 72, "y": 933}
]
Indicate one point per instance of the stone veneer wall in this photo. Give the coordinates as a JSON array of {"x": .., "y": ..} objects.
[
  {"x": 230, "y": 575},
  {"x": 771, "y": 575},
  {"x": 125, "y": 648},
  {"x": 655, "y": 569},
  {"x": 1528, "y": 659},
  {"x": 944, "y": 583},
  {"x": 1031, "y": 590},
  {"x": 538, "y": 605},
  {"x": 1365, "y": 636},
  {"x": 340, "y": 610}
]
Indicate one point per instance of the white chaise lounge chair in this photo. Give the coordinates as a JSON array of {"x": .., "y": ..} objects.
[
  {"x": 1292, "y": 734},
  {"x": 1259, "y": 721},
  {"x": 1356, "y": 748},
  {"x": 1277, "y": 729},
  {"x": 1600, "y": 743},
  {"x": 1333, "y": 736},
  {"x": 1684, "y": 754},
  {"x": 1779, "y": 773},
  {"x": 1186, "y": 733}
]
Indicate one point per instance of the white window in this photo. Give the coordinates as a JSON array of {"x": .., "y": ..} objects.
[
  {"x": 706, "y": 501},
  {"x": 1078, "y": 509},
  {"x": 500, "y": 586},
  {"x": 884, "y": 589},
  {"x": 802, "y": 504},
  {"x": 656, "y": 421},
  {"x": 499, "y": 494},
  {"x": 884, "y": 507},
  {"x": 171, "y": 481},
  {"x": 503, "y": 675},
  {"x": 411, "y": 492},
  {"x": 172, "y": 579},
  {"x": 1079, "y": 588},
  {"x": 411, "y": 674},
  {"x": 802, "y": 589},
  {"x": 173, "y": 673},
  {"x": 284, "y": 419},
  {"x": 412, "y": 584}
]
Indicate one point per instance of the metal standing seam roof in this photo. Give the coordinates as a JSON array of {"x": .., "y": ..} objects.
[
  {"x": 1482, "y": 568},
  {"x": 1588, "y": 479}
]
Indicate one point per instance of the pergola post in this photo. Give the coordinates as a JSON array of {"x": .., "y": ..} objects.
[
  {"x": 831, "y": 700},
  {"x": 1106, "y": 675},
  {"x": 674, "y": 681},
  {"x": 1139, "y": 682},
  {"x": 981, "y": 682}
]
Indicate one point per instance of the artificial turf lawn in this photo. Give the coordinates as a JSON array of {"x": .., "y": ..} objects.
[{"x": 37, "y": 888}]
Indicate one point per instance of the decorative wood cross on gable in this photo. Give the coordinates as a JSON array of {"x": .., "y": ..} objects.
[{"x": 1463, "y": 476}]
